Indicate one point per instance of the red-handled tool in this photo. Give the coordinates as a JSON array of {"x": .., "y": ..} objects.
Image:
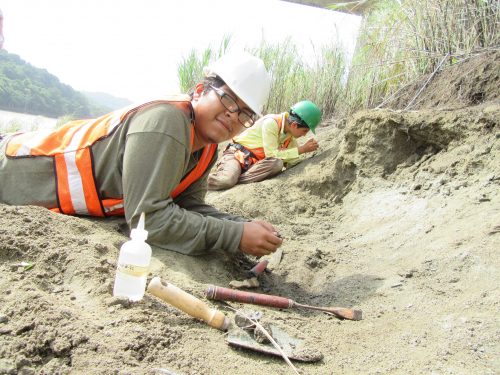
[{"x": 225, "y": 294}]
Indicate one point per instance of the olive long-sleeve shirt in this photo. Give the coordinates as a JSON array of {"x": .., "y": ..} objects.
[{"x": 142, "y": 161}]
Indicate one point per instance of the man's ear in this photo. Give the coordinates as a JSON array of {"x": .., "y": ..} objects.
[{"x": 198, "y": 90}]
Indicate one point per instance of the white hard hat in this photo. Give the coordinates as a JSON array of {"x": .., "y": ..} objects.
[{"x": 246, "y": 75}]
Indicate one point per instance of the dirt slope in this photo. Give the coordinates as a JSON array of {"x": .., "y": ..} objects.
[{"x": 397, "y": 214}]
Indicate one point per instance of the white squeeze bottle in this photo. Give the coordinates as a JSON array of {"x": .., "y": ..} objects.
[{"x": 133, "y": 265}]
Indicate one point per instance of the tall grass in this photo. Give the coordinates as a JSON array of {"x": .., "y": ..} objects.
[
  {"x": 293, "y": 79},
  {"x": 399, "y": 41},
  {"x": 190, "y": 69},
  {"x": 319, "y": 80},
  {"x": 403, "y": 40}
]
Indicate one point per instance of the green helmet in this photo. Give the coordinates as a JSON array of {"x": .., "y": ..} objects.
[{"x": 308, "y": 112}]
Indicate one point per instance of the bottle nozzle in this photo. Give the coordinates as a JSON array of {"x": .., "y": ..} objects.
[
  {"x": 139, "y": 232},
  {"x": 140, "y": 225}
]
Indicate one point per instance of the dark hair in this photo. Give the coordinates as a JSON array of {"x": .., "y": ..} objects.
[
  {"x": 207, "y": 82},
  {"x": 296, "y": 118}
]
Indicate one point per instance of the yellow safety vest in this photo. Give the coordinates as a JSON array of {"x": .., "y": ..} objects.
[{"x": 249, "y": 156}]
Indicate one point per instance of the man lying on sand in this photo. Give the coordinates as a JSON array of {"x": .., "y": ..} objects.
[{"x": 152, "y": 158}]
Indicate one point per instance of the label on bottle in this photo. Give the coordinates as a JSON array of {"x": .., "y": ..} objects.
[{"x": 132, "y": 270}]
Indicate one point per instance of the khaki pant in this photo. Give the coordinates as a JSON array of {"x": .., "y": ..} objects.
[{"x": 229, "y": 173}]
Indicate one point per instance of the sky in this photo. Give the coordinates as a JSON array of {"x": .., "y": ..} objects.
[{"x": 131, "y": 48}]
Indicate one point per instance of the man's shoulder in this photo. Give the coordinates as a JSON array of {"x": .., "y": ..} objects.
[
  {"x": 161, "y": 117},
  {"x": 269, "y": 119},
  {"x": 273, "y": 115},
  {"x": 272, "y": 121}
]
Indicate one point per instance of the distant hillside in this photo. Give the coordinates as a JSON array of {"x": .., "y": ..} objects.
[
  {"x": 106, "y": 100},
  {"x": 27, "y": 89}
]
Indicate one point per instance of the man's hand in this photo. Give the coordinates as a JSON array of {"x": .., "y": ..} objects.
[
  {"x": 259, "y": 238},
  {"x": 310, "y": 146}
]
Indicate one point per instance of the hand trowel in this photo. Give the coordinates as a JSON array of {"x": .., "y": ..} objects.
[{"x": 292, "y": 347}]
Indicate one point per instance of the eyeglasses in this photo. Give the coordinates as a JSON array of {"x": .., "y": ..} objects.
[{"x": 246, "y": 118}]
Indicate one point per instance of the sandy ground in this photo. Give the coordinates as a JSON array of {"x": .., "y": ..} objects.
[{"x": 397, "y": 214}]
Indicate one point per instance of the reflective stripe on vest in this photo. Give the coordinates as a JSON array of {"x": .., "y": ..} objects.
[{"x": 70, "y": 147}]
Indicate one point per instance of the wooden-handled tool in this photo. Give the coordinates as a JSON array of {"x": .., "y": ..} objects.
[
  {"x": 188, "y": 303},
  {"x": 226, "y": 294}
]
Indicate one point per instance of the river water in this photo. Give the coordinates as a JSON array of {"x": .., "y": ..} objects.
[{"x": 13, "y": 121}]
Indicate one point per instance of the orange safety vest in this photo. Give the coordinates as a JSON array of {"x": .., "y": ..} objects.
[
  {"x": 254, "y": 155},
  {"x": 73, "y": 167}
]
